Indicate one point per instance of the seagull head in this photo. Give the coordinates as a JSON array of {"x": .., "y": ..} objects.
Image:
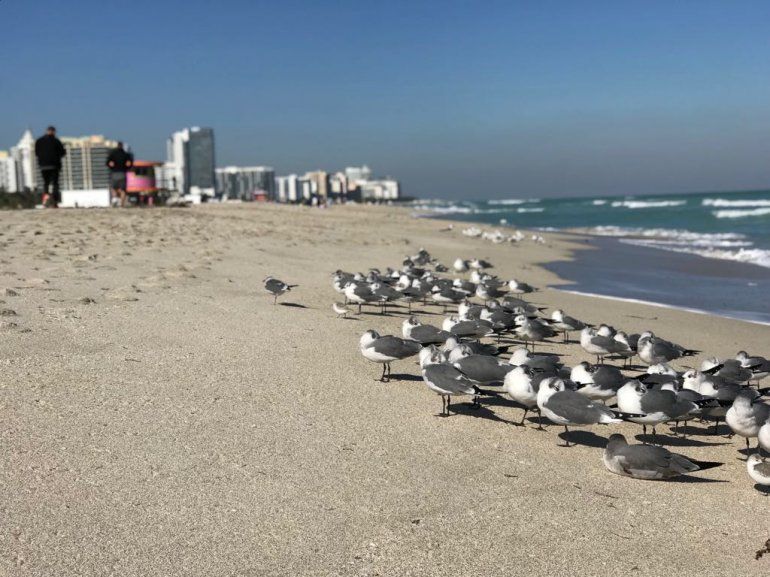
[{"x": 368, "y": 338}]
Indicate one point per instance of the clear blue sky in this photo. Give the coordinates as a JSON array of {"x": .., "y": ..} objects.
[{"x": 456, "y": 99}]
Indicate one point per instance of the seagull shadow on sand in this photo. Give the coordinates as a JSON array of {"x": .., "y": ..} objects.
[
  {"x": 585, "y": 438},
  {"x": 293, "y": 305},
  {"x": 661, "y": 439},
  {"x": 405, "y": 377},
  {"x": 479, "y": 412}
]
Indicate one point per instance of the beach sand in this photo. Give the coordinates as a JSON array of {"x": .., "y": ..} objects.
[{"x": 160, "y": 416}]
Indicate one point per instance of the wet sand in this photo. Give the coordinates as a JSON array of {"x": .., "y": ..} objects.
[{"x": 160, "y": 416}]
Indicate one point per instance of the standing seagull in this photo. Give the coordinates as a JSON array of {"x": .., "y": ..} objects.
[
  {"x": 277, "y": 287},
  {"x": 566, "y": 407},
  {"x": 445, "y": 380},
  {"x": 647, "y": 462},
  {"x": 566, "y": 324},
  {"x": 653, "y": 350},
  {"x": 386, "y": 349},
  {"x": 747, "y": 415},
  {"x": 341, "y": 310},
  {"x": 653, "y": 406}
]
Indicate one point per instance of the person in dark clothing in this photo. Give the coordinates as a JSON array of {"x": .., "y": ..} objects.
[
  {"x": 119, "y": 161},
  {"x": 49, "y": 151}
]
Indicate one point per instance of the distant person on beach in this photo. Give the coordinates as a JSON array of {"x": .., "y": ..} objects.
[
  {"x": 49, "y": 151},
  {"x": 119, "y": 161}
]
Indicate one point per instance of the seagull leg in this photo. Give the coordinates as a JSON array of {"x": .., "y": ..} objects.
[
  {"x": 388, "y": 372},
  {"x": 526, "y": 410},
  {"x": 644, "y": 431},
  {"x": 382, "y": 376},
  {"x": 566, "y": 437},
  {"x": 540, "y": 426},
  {"x": 653, "y": 435},
  {"x": 275, "y": 298}
]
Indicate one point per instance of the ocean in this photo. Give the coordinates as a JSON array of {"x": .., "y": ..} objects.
[{"x": 706, "y": 252}]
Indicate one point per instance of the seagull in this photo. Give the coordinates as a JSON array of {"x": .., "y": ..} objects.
[
  {"x": 359, "y": 293},
  {"x": 759, "y": 470},
  {"x": 476, "y": 348},
  {"x": 479, "y": 264},
  {"x": 653, "y": 350},
  {"x": 341, "y": 310},
  {"x": 597, "y": 382},
  {"x": 520, "y": 288},
  {"x": 474, "y": 329},
  {"x": 386, "y": 349},
  {"x": 483, "y": 369},
  {"x": 446, "y": 381},
  {"x": 747, "y": 415},
  {"x": 625, "y": 350},
  {"x": 522, "y": 385},
  {"x": 460, "y": 265},
  {"x": 488, "y": 293},
  {"x": 544, "y": 361},
  {"x": 532, "y": 330},
  {"x": 565, "y": 323},
  {"x": 276, "y": 287},
  {"x": 759, "y": 366},
  {"x": 730, "y": 369},
  {"x": 652, "y": 406},
  {"x": 447, "y": 296},
  {"x": 598, "y": 344},
  {"x": 566, "y": 407},
  {"x": 414, "y": 330},
  {"x": 717, "y": 388},
  {"x": 647, "y": 462}
]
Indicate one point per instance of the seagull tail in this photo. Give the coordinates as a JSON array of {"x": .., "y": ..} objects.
[
  {"x": 291, "y": 286},
  {"x": 625, "y": 416},
  {"x": 690, "y": 353}
]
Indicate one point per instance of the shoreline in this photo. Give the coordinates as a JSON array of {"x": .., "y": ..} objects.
[
  {"x": 572, "y": 277},
  {"x": 160, "y": 416}
]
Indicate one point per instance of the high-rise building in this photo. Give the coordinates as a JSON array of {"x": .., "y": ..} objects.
[
  {"x": 246, "y": 182},
  {"x": 338, "y": 185},
  {"x": 358, "y": 174},
  {"x": 84, "y": 167},
  {"x": 286, "y": 188},
  {"x": 320, "y": 178},
  {"x": 26, "y": 163},
  {"x": 382, "y": 189},
  {"x": 190, "y": 162},
  {"x": 8, "y": 178}
]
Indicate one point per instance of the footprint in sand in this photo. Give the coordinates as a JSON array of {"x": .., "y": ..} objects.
[
  {"x": 87, "y": 301},
  {"x": 7, "y": 313}
]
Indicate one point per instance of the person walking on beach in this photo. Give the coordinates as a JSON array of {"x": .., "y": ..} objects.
[
  {"x": 119, "y": 161},
  {"x": 49, "y": 151}
]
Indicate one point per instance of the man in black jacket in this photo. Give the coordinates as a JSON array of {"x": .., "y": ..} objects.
[
  {"x": 119, "y": 161},
  {"x": 49, "y": 151}
]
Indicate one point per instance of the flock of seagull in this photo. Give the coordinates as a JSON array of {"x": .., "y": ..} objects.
[{"x": 455, "y": 362}]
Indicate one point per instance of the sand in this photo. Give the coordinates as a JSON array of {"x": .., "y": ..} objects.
[{"x": 160, "y": 416}]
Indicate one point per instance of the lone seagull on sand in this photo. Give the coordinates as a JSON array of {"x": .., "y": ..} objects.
[
  {"x": 386, "y": 349},
  {"x": 277, "y": 287},
  {"x": 647, "y": 462},
  {"x": 341, "y": 310}
]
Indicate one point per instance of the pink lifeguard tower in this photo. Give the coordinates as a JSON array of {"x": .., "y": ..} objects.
[{"x": 140, "y": 181}]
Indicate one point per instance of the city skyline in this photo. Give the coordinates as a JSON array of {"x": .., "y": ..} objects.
[{"x": 507, "y": 99}]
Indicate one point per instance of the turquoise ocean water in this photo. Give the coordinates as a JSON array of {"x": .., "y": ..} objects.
[{"x": 726, "y": 236}]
